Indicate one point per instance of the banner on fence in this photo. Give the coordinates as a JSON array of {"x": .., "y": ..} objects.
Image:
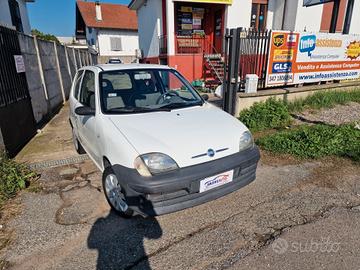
[{"x": 296, "y": 58}]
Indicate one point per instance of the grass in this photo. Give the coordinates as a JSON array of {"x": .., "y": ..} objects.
[
  {"x": 315, "y": 141},
  {"x": 13, "y": 178},
  {"x": 265, "y": 115},
  {"x": 277, "y": 114},
  {"x": 324, "y": 100}
]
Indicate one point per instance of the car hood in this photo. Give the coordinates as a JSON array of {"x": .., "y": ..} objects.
[{"x": 184, "y": 134}]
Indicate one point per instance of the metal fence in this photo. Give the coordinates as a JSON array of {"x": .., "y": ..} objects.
[
  {"x": 252, "y": 48},
  {"x": 246, "y": 52},
  {"x": 17, "y": 124},
  {"x": 13, "y": 85}
]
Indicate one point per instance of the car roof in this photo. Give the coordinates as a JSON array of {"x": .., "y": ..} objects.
[{"x": 111, "y": 67}]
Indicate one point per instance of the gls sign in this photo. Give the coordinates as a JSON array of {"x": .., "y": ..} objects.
[
  {"x": 307, "y": 44},
  {"x": 281, "y": 67}
]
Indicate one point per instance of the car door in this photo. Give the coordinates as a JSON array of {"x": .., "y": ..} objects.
[
  {"x": 74, "y": 100},
  {"x": 87, "y": 125}
]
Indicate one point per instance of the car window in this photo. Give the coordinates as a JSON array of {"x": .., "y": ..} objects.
[
  {"x": 117, "y": 80},
  {"x": 144, "y": 89},
  {"x": 172, "y": 83},
  {"x": 77, "y": 84},
  {"x": 87, "y": 92}
]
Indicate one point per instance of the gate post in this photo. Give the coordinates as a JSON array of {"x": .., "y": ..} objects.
[{"x": 231, "y": 86}]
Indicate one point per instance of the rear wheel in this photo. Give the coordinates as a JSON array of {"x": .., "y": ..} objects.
[
  {"x": 114, "y": 194},
  {"x": 77, "y": 145}
]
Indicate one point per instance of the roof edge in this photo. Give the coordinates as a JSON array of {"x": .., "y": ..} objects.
[{"x": 136, "y": 4}]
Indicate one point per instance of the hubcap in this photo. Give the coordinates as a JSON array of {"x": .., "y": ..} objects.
[{"x": 114, "y": 194}]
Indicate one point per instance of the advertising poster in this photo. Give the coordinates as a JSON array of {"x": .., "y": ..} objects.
[{"x": 296, "y": 58}]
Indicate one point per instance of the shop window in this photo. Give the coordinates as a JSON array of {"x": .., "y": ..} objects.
[
  {"x": 15, "y": 15},
  {"x": 258, "y": 16},
  {"x": 190, "y": 21}
]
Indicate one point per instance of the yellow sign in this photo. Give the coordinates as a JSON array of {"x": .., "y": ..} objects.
[
  {"x": 284, "y": 55},
  {"x": 186, "y": 9},
  {"x": 227, "y": 2},
  {"x": 353, "y": 50}
]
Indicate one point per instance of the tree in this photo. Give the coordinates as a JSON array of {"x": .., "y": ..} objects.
[{"x": 41, "y": 35}]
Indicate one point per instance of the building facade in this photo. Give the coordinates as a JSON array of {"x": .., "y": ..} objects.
[
  {"x": 110, "y": 29},
  {"x": 14, "y": 14},
  {"x": 183, "y": 34}
]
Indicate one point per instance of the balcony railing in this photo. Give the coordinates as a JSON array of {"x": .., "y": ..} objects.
[{"x": 163, "y": 45}]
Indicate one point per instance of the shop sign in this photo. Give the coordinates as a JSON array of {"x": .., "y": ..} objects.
[{"x": 296, "y": 58}]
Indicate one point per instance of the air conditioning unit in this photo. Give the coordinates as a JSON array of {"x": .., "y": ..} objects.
[{"x": 251, "y": 83}]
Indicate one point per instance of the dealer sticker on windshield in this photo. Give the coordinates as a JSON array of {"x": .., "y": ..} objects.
[{"x": 216, "y": 181}]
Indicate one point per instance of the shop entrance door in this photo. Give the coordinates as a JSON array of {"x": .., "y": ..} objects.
[{"x": 218, "y": 31}]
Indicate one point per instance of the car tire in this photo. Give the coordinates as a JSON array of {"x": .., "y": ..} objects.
[
  {"x": 114, "y": 194},
  {"x": 77, "y": 145}
]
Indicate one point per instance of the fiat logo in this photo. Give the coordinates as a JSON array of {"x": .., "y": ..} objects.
[{"x": 210, "y": 153}]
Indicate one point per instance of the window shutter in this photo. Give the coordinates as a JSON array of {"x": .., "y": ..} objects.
[{"x": 115, "y": 44}]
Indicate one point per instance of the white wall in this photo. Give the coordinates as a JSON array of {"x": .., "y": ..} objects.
[
  {"x": 297, "y": 17},
  {"x": 5, "y": 17},
  {"x": 238, "y": 14},
  {"x": 308, "y": 18},
  {"x": 355, "y": 20},
  {"x": 129, "y": 42},
  {"x": 149, "y": 25}
]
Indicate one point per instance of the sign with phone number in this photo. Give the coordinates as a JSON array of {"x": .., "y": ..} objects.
[{"x": 296, "y": 58}]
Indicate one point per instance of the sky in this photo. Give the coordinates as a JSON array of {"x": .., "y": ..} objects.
[{"x": 57, "y": 17}]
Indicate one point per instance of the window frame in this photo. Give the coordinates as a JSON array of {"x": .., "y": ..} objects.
[
  {"x": 15, "y": 15},
  {"x": 259, "y": 5},
  {"x": 82, "y": 81},
  {"x": 76, "y": 77},
  {"x": 115, "y": 39}
]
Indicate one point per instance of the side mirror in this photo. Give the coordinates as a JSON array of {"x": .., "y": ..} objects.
[
  {"x": 85, "y": 110},
  {"x": 205, "y": 97}
]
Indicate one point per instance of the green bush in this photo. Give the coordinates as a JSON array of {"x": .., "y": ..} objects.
[
  {"x": 13, "y": 177},
  {"x": 315, "y": 141},
  {"x": 265, "y": 115},
  {"x": 324, "y": 100}
]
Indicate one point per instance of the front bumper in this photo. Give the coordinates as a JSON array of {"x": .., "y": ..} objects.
[{"x": 179, "y": 189}]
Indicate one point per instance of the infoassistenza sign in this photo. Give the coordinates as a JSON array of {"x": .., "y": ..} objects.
[{"x": 296, "y": 58}]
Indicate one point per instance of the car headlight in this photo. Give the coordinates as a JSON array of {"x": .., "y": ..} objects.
[
  {"x": 154, "y": 163},
  {"x": 246, "y": 141}
]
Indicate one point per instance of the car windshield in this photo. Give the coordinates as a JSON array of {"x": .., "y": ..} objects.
[{"x": 145, "y": 90}]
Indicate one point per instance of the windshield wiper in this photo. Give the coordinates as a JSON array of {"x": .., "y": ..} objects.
[
  {"x": 177, "y": 105},
  {"x": 136, "y": 110}
]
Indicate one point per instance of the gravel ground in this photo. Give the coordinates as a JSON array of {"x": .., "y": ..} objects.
[
  {"x": 70, "y": 226},
  {"x": 340, "y": 114}
]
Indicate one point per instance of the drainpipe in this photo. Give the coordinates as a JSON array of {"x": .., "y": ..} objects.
[
  {"x": 334, "y": 16},
  {"x": 283, "y": 16}
]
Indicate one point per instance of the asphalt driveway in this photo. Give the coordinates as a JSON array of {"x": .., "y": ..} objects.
[{"x": 296, "y": 215}]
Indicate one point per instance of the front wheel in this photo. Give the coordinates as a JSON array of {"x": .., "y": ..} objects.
[{"x": 114, "y": 193}]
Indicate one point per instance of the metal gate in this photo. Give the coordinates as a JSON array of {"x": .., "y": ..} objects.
[
  {"x": 246, "y": 52},
  {"x": 17, "y": 122}
]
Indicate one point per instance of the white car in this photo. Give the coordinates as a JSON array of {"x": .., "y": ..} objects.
[{"x": 160, "y": 145}]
